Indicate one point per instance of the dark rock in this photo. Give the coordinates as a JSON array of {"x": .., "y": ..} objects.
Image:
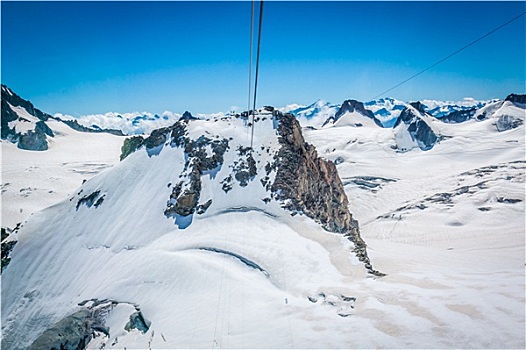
[
  {"x": 184, "y": 201},
  {"x": 187, "y": 116},
  {"x": 41, "y": 126},
  {"x": 33, "y": 141},
  {"x": 245, "y": 168},
  {"x": 309, "y": 184},
  {"x": 459, "y": 116},
  {"x": 520, "y": 99},
  {"x": 72, "y": 332},
  {"x": 130, "y": 145},
  {"x": 339, "y": 160},
  {"x": 507, "y": 122},
  {"x": 16, "y": 101},
  {"x": 7, "y": 248},
  {"x": 508, "y": 200},
  {"x": 417, "y": 128},
  {"x": 226, "y": 184},
  {"x": 418, "y": 106},
  {"x": 157, "y": 138},
  {"x": 202, "y": 208},
  {"x": 90, "y": 199},
  {"x": 137, "y": 321},
  {"x": 76, "y": 330}
]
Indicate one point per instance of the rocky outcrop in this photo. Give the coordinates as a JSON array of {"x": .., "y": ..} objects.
[
  {"x": 130, "y": 145},
  {"x": 420, "y": 132},
  {"x": 7, "y": 246},
  {"x": 310, "y": 185},
  {"x": 507, "y": 122},
  {"x": 187, "y": 116},
  {"x": 459, "y": 116},
  {"x": 516, "y": 99},
  {"x": 75, "y": 331},
  {"x": 418, "y": 106}
]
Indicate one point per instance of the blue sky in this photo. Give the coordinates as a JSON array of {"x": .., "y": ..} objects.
[{"x": 95, "y": 57}]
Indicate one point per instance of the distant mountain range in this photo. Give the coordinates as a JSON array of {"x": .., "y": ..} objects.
[{"x": 26, "y": 126}]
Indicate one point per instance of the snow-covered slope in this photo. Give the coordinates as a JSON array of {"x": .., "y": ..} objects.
[
  {"x": 186, "y": 243},
  {"x": 446, "y": 225},
  {"x": 32, "y": 181}
]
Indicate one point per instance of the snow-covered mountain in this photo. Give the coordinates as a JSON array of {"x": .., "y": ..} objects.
[
  {"x": 352, "y": 113},
  {"x": 189, "y": 210},
  {"x": 22, "y": 123},
  {"x": 411, "y": 129},
  {"x": 439, "y": 109},
  {"x": 28, "y": 127},
  {"x": 314, "y": 115}
]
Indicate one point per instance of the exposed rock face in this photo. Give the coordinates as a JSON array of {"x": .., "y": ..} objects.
[
  {"x": 187, "y": 116},
  {"x": 521, "y": 99},
  {"x": 309, "y": 184},
  {"x": 130, "y": 145},
  {"x": 75, "y": 331},
  {"x": 418, "y": 106},
  {"x": 184, "y": 199},
  {"x": 459, "y": 116},
  {"x": 350, "y": 106},
  {"x": 34, "y": 140},
  {"x": 8, "y": 243},
  {"x": 420, "y": 132},
  {"x": 507, "y": 122}
]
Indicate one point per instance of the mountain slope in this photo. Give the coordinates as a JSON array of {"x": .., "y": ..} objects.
[{"x": 191, "y": 234}]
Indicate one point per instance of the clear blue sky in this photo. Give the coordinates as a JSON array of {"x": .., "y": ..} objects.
[{"x": 95, "y": 57}]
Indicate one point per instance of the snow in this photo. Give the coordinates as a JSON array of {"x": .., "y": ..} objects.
[
  {"x": 32, "y": 181},
  {"x": 25, "y": 121},
  {"x": 436, "y": 222}
]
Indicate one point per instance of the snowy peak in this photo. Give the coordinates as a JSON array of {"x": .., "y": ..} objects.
[
  {"x": 412, "y": 130},
  {"x": 506, "y": 115},
  {"x": 353, "y": 113},
  {"x": 22, "y": 123}
]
